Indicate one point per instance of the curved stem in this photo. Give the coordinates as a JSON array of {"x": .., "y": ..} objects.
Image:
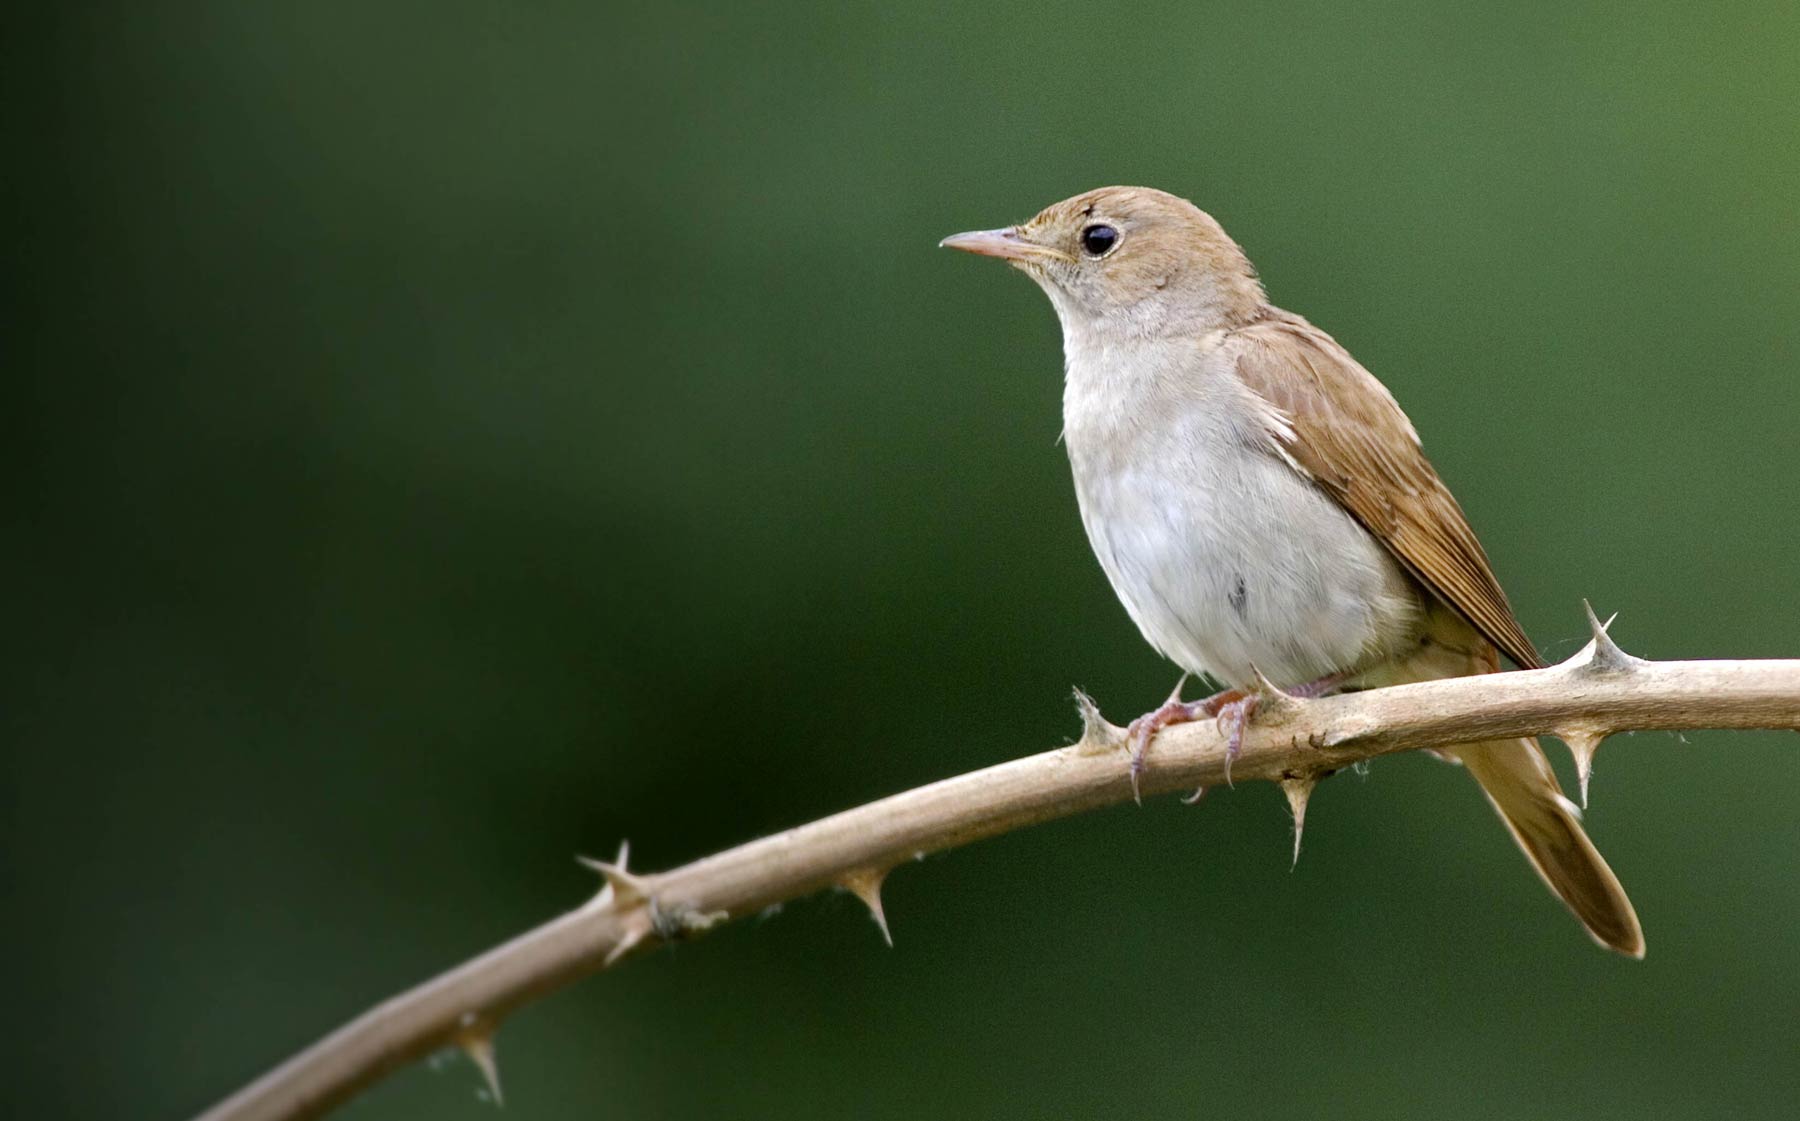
[{"x": 1598, "y": 692}]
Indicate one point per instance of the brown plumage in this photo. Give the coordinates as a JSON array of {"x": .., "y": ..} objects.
[{"x": 1352, "y": 438}]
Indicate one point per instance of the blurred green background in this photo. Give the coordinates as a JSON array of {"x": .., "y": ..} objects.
[{"x": 452, "y": 437}]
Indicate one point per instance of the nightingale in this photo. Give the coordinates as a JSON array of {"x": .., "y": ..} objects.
[{"x": 1263, "y": 508}]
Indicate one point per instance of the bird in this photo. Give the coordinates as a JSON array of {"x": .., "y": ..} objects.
[{"x": 1264, "y": 509}]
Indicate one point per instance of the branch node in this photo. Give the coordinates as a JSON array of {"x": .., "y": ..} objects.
[
  {"x": 677, "y": 921},
  {"x": 1604, "y": 655},
  {"x": 865, "y": 884},
  {"x": 1298, "y": 789},
  {"x": 623, "y": 889},
  {"x": 1097, "y": 735},
  {"x": 475, "y": 1035}
]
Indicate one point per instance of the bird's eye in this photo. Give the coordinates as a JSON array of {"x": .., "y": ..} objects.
[{"x": 1096, "y": 240}]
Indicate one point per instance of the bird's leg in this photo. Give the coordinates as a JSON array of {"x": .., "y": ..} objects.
[
  {"x": 1235, "y": 713},
  {"x": 1172, "y": 711}
]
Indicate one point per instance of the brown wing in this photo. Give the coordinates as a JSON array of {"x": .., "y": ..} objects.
[{"x": 1352, "y": 438}]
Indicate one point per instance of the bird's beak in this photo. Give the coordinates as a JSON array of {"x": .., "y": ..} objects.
[{"x": 1009, "y": 244}]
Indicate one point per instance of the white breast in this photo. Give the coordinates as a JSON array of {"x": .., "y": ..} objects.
[{"x": 1223, "y": 552}]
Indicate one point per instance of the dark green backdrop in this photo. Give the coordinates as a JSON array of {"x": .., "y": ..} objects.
[{"x": 457, "y": 436}]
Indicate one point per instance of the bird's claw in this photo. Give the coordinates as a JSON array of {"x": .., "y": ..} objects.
[{"x": 1233, "y": 717}]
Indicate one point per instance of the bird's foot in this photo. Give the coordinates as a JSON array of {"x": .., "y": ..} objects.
[
  {"x": 1233, "y": 708},
  {"x": 1141, "y": 731},
  {"x": 1235, "y": 713}
]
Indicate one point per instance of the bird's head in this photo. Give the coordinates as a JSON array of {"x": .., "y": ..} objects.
[{"x": 1128, "y": 259}]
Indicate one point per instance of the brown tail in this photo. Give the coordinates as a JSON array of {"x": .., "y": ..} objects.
[{"x": 1519, "y": 782}]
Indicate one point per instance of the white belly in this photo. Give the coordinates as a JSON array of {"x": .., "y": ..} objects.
[{"x": 1225, "y": 555}]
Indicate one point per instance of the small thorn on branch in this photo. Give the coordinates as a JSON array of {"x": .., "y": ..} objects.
[
  {"x": 1097, "y": 735},
  {"x": 1298, "y": 789},
  {"x": 638, "y": 926},
  {"x": 1605, "y": 655},
  {"x": 623, "y": 888},
  {"x": 865, "y": 884},
  {"x": 1271, "y": 699},
  {"x": 475, "y": 1035},
  {"x": 1582, "y": 745},
  {"x": 1174, "y": 697}
]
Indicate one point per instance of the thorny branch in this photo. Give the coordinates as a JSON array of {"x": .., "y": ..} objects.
[{"x": 1294, "y": 742}]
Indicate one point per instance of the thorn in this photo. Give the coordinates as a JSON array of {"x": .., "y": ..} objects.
[
  {"x": 1298, "y": 790},
  {"x": 1604, "y": 655},
  {"x": 1175, "y": 693},
  {"x": 622, "y": 889},
  {"x": 634, "y": 933},
  {"x": 1271, "y": 700},
  {"x": 865, "y": 884},
  {"x": 1097, "y": 736},
  {"x": 475, "y": 1036},
  {"x": 1582, "y": 746}
]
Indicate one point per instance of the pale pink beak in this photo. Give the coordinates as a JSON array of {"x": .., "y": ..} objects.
[{"x": 1007, "y": 243}]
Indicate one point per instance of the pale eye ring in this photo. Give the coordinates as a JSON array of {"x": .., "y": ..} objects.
[{"x": 1098, "y": 239}]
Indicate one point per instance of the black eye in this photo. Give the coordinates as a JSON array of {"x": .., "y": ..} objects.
[{"x": 1096, "y": 240}]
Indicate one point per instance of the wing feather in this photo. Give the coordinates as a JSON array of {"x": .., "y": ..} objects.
[{"x": 1347, "y": 432}]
